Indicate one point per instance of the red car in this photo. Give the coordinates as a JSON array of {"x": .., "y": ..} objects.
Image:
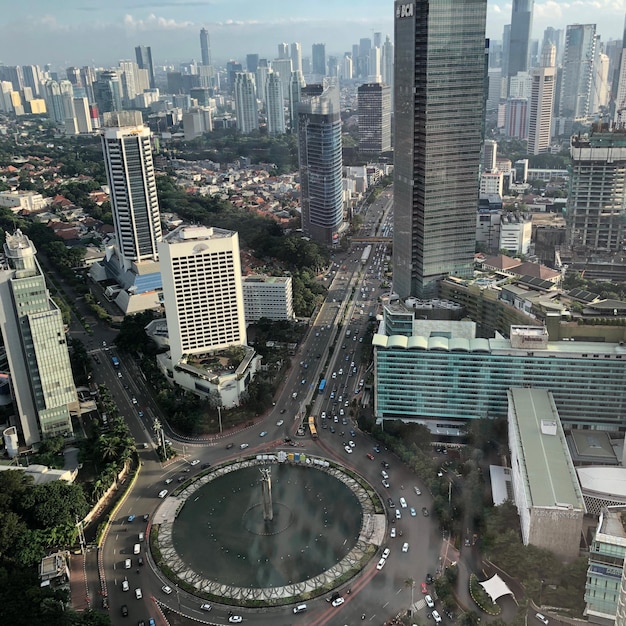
[
  {"x": 424, "y": 588},
  {"x": 370, "y": 456}
]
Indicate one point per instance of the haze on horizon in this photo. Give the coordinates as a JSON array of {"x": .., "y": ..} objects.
[{"x": 100, "y": 33}]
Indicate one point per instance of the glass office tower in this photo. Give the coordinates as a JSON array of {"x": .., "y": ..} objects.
[{"x": 439, "y": 77}]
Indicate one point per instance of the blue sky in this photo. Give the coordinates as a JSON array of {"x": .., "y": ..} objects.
[{"x": 101, "y": 32}]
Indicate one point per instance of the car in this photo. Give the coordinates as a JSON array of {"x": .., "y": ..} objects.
[
  {"x": 282, "y": 411},
  {"x": 436, "y": 617},
  {"x": 280, "y": 422},
  {"x": 385, "y": 464},
  {"x": 384, "y": 474},
  {"x": 205, "y": 466},
  {"x": 429, "y": 579},
  {"x": 119, "y": 374},
  {"x": 235, "y": 619},
  {"x": 333, "y": 429},
  {"x": 352, "y": 433},
  {"x": 370, "y": 456},
  {"x": 140, "y": 560},
  {"x": 243, "y": 446},
  {"x": 338, "y": 601},
  {"x": 166, "y": 589},
  {"x": 134, "y": 400},
  {"x": 405, "y": 547},
  {"x": 205, "y": 607},
  {"x": 151, "y": 622},
  {"x": 392, "y": 534},
  {"x": 131, "y": 518},
  {"x": 381, "y": 564},
  {"x": 429, "y": 602},
  {"x": 377, "y": 449},
  {"x": 162, "y": 493},
  {"x": 341, "y": 412},
  {"x": 335, "y": 419},
  {"x": 125, "y": 585},
  {"x": 542, "y": 618},
  {"x": 124, "y": 610},
  {"x": 303, "y": 381},
  {"x": 140, "y": 413},
  {"x": 229, "y": 445},
  {"x": 195, "y": 462},
  {"x": 417, "y": 491},
  {"x": 424, "y": 588},
  {"x": 386, "y": 553},
  {"x": 424, "y": 511},
  {"x": 403, "y": 503},
  {"x": 413, "y": 512},
  {"x": 390, "y": 503},
  {"x": 398, "y": 514},
  {"x": 323, "y": 415},
  {"x": 263, "y": 433},
  {"x": 168, "y": 481},
  {"x": 351, "y": 444},
  {"x": 128, "y": 564},
  {"x": 138, "y": 593},
  {"x": 348, "y": 449},
  {"x": 385, "y": 483}
]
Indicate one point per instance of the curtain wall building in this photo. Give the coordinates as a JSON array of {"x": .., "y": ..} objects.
[
  {"x": 319, "y": 153},
  {"x": 439, "y": 95},
  {"x": 577, "y": 77},
  {"x": 36, "y": 346},
  {"x": 374, "y": 101}
]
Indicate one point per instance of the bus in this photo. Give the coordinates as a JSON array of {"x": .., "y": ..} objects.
[
  {"x": 312, "y": 428},
  {"x": 322, "y": 385},
  {"x": 115, "y": 361}
]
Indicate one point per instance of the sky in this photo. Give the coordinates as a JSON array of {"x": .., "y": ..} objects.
[{"x": 102, "y": 32}]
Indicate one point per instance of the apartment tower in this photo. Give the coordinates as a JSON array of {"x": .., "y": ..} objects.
[
  {"x": 36, "y": 346},
  {"x": 246, "y": 108},
  {"x": 542, "y": 102},
  {"x": 439, "y": 95}
]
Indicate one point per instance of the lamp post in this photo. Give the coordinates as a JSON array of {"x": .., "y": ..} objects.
[{"x": 219, "y": 417}]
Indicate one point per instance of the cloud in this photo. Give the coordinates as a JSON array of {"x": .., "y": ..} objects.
[{"x": 153, "y": 22}]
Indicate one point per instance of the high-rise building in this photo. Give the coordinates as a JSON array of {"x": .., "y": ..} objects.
[
  {"x": 375, "y": 71},
  {"x": 347, "y": 67},
  {"x": 439, "y": 95},
  {"x": 252, "y": 62},
  {"x": 619, "y": 80},
  {"x": 577, "y": 76},
  {"x": 143, "y": 54},
  {"x": 283, "y": 50},
  {"x": 205, "y": 47},
  {"x": 296, "y": 57},
  {"x": 387, "y": 63},
  {"x": 36, "y": 346},
  {"x": 107, "y": 90},
  {"x": 318, "y": 59},
  {"x": 129, "y": 76},
  {"x": 596, "y": 204},
  {"x": 267, "y": 296},
  {"x": 295, "y": 87},
  {"x": 374, "y": 102},
  {"x": 554, "y": 36},
  {"x": 262, "y": 72},
  {"x": 490, "y": 152},
  {"x": 32, "y": 77},
  {"x": 319, "y": 153},
  {"x": 83, "y": 119},
  {"x": 516, "y": 118},
  {"x": 542, "y": 102},
  {"x": 283, "y": 67},
  {"x": 246, "y": 108},
  {"x": 521, "y": 27},
  {"x": 134, "y": 202},
  {"x": 274, "y": 104},
  {"x": 202, "y": 290}
]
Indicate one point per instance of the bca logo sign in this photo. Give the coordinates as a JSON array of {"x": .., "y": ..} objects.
[{"x": 404, "y": 10}]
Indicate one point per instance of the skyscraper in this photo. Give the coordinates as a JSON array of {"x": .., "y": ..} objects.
[
  {"x": 143, "y": 55},
  {"x": 596, "y": 204},
  {"x": 245, "y": 102},
  {"x": 252, "y": 62},
  {"x": 521, "y": 27},
  {"x": 205, "y": 47},
  {"x": 577, "y": 77},
  {"x": 130, "y": 173},
  {"x": 202, "y": 290},
  {"x": 283, "y": 67},
  {"x": 374, "y": 102},
  {"x": 296, "y": 57},
  {"x": 295, "y": 86},
  {"x": 542, "y": 102},
  {"x": 36, "y": 346},
  {"x": 439, "y": 94},
  {"x": 387, "y": 62},
  {"x": 318, "y": 59},
  {"x": 319, "y": 153},
  {"x": 283, "y": 50},
  {"x": 274, "y": 105}
]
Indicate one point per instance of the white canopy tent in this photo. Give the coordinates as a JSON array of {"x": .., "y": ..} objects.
[{"x": 495, "y": 587}]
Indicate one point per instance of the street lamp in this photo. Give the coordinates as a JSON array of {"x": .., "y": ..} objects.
[{"x": 219, "y": 417}]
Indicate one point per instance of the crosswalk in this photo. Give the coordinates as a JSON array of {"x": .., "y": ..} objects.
[{"x": 419, "y": 605}]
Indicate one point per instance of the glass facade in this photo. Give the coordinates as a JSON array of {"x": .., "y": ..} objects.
[
  {"x": 430, "y": 384},
  {"x": 439, "y": 100}
]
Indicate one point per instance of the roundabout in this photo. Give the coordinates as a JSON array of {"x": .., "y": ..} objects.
[{"x": 217, "y": 538}]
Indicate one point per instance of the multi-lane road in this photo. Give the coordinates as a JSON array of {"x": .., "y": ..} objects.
[{"x": 341, "y": 324}]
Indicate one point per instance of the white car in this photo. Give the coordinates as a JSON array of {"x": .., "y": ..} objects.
[
  {"x": 125, "y": 585},
  {"x": 385, "y": 483},
  {"x": 166, "y": 589},
  {"x": 542, "y": 618},
  {"x": 205, "y": 607},
  {"x": 280, "y": 422},
  {"x": 386, "y": 553},
  {"x": 138, "y": 594},
  {"x": 243, "y": 446},
  {"x": 235, "y": 619},
  {"x": 436, "y": 617},
  {"x": 338, "y": 602},
  {"x": 162, "y": 493},
  {"x": 348, "y": 449},
  {"x": 323, "y": 415},
  {"x": 351, "y": 444},
  {"x": 429, "y": 602},
  {"x": 405, "y": 547},
  {"x": 381, "y": 564},
  {"x": 195, "y": 462},
  {"x": 417, "y": 491},
  {"x": 398, "y": 514},
  {"x": 384, "y": 474},
  {"x": 403, "y": 503},
  {"x": 134, "y": 400}
]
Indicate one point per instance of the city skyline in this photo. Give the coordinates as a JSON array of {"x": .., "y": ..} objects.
[{"x": 93, "y": 33}]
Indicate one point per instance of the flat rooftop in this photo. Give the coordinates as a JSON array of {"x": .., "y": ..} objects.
[{"x": 550, "y": 474}]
